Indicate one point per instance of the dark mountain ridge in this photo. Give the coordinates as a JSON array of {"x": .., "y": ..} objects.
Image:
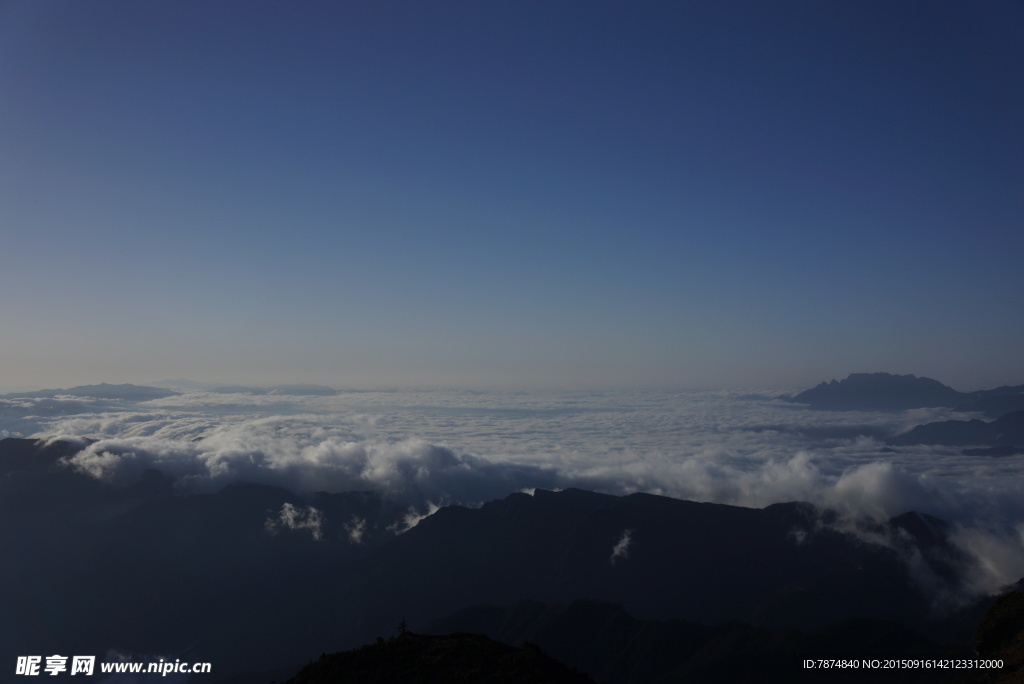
[
  {"x": 879, "y": 392},
  {"x": 787, "y": 565},
  {"x": 439, "y": 659},
  {"x": 258, "y": 577},
  {"x": 1008, "y": 400},
  {"x": 1001, "y": 637},
  {"x": 605, "y": 642},
  {"x": 1008, "y": 430},
  {"x": 888, "y": 392}
]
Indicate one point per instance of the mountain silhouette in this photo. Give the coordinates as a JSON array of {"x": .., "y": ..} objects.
[
  {"x": 786, "y": 565},
  {"x": 605, "y": 642},
  {"x": 1005, "y": 431},
  {"x": 879, "y": 392},
  {"x": 428, "y": 659},
  {"x": 995, "y": 403},
  {"x": 257, "y": 577}
]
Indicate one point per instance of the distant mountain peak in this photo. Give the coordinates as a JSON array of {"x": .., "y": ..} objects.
[{"x": 879, "y": 392}]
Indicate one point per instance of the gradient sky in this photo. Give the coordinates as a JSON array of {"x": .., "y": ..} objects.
[{"x": 517, "y": 194}]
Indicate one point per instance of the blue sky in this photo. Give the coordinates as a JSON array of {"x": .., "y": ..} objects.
[{"x": 529, "y": 194}]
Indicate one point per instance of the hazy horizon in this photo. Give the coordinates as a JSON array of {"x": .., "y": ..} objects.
[{"x": 192, "y": 384}]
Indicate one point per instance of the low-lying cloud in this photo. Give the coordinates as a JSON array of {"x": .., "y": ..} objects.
[
  {"x": 621, "y": 548},
  {"x": 296, "y": 518},
  {"x": 307, "y": 458},
  {"x": 424, "y": 449}
]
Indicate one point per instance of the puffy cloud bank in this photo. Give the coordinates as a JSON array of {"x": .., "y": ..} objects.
[
  {"x": 302, "y": 455},
  {"x": 425, "y": 449}
]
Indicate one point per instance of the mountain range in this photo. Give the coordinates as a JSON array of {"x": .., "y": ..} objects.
[
  {"x": 126, "y": 392},
  {"x": 631, "y": 588},
  {"x": 1007, "y": 431},
  {"x": 888, "y": 392},
  {"x": 603, "y": 641},
  {"x": 442, "y": 659},
  {"x": 257, "y": 577}
]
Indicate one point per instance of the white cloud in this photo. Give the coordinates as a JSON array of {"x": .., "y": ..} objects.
[
  {"x": 998, "y": 556},
  {"x": 423, "y": 448},
  {"x": 621, "y": 548},
  {"x": 413, "y": 517},
  {"x": 356, "y": 528},
  {"x": 293, "y": 518},
  {"x": 306, "y": 458}
]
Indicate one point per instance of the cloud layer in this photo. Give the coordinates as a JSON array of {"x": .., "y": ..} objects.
[
  {"x": 471, "y": 447},
  {"x": 424, "y": 449}
]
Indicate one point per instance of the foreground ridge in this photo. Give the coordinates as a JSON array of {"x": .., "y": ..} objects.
[{"x": 427, "y": 659}]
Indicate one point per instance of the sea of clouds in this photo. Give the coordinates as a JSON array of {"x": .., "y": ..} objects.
[{"x": 426, "y": 448}]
